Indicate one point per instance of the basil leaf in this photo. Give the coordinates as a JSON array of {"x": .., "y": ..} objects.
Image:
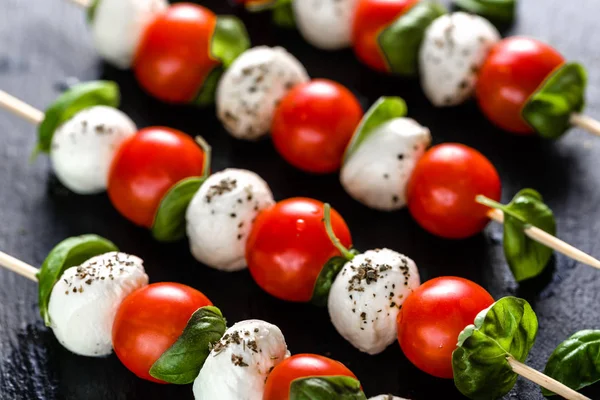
[
  {"x": 206, "y": 95},
  {"x": 507, "y": 328},
  {"x": 229, "y": 40},
  {"x": 182, "y": 362},
  {"x": 68, "y": 253},
  {"x": 283, "y": 14},
  {"x": 400, "y": 42},
  {"x": 326, "y": 277},
  {"x": 91, "y": 11},
  {"x": 260, "y": 5},
  {"x": 576, "y": 361},
  {"x": 549, "y": 109},
  {"x": 326, "y": 388},
  {"x": 169, "y": 222},
  {"x": 499, "y": 11},
  {"x": 384, "y": 109},
  {"x": 74, "y": 100}
]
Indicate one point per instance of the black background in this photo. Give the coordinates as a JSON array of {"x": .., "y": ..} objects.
[{"x": 45, "y": 44}]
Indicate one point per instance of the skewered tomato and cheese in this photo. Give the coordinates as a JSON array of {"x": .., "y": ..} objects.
[
  {"x": 84, "y": 301},
  {"x": 238, "y": 365},
  {"x": 118, "y": 25},
  {"x": 382, "y": 155},
  {"x": 177, "y": 52},
  {"x": 253, "y": 86},
  {"x": 220, "y": 217},
  {"x": 367, "y": 295}
]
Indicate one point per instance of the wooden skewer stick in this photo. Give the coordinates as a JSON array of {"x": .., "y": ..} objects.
[
  {"x": 584, "y": 122},
  {"x": 20, "y": 108},
  {"x": 544, "y": 381},
  {"x": 18, "y": 266},
  {"x": 81, "y": 3},
  {"x": 553, "y": 242}
]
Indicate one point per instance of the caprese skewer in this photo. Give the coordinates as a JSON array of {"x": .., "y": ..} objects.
[
  {"x": 387, "y": 166},
  {"x": 169, "y": 332},
  {"x": 178, "y": 52}
]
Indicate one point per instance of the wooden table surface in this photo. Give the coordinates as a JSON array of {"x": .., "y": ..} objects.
[{"x": 45, "y": 45}]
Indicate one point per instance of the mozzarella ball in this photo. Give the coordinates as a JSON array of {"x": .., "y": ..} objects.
[
  {"x": 118, "y": 25},
  {"x": 453, "y": 50},
  {"x": 387, "y": 397},
  {"x": 221, "y": 214},
  {"x": 84, "y": 146},
  {"x": 84, "y": 301},
  {"x": 326, "y": 24},
  {"x": 367, "y": 295},
  {"x": 253, "y": 86},
  {"x": 377, "y": 173},
  {"x": 238, "y": 365}
]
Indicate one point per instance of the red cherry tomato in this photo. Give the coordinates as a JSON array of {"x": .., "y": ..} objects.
[
  {"x": 442, "y": 189},
  {"x": 173, "y": 58},
  {"x": 288, "y": 247},
  {"x": 150, "y": 320},
  {"x": 314, "y": 123},
  {"x": 280, "y": 379},
  {"x": 370, "y": 18},
  {"x": 147, "y": 166},
  {"x": 433, "y": 316},
  {"x": 514, "y": 69}
]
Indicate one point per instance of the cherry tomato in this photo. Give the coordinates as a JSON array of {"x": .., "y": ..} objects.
[
  {"x": 314, "y": 123},
  {"x": 280, "y": 379},
  {"x": 370, "y": 19},
  {"x": 433, "y": 316},
  {"x": 441, "y": 191},
  {"x": 288, "y": 247},
  {"x": 150, "y": 320},
  {"x": 173, "y": 58},
  {"x": 513, "y": 71},
  {"x": 147, "y": 166}
]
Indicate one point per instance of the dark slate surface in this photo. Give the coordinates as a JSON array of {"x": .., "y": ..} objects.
[{"x": 43, "y": 43}]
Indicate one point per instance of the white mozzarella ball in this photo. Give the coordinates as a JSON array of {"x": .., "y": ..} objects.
[
  {"x": 84, "y": 146},
  {"x": 238, "y": 365},
  {"x": 387, "y": 397},
  {"x": 84, "y": 301},
  {"x": 253, "y": 86},
  {"x": 453, "y": 51},
  {"x": 326, "y": 24},
  {"x": 377, "y": 173},
  {"x": 118, "y": 25},
  {"x": 221, "y": 214},
  {"x": 367, "y": 295}
]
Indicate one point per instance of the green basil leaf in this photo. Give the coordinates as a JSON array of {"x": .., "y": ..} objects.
[
  {"x": 549, "y": 109},
  {"x": 206, "y": 95},
  {"x": 182, "y": 362},
  {"x": 576, "y": 361},
  {"x": 384, "y": 109},
  {"x": 507, "y": 328},
  {"x": 74, "y": 100},
  {"x": 326, "y": 277},
  {"x": 229, "y": 40},
  {"x": 91, "y": 11},
  {"x": 499, "y": 11},
  {"x": 70, "y": 252},
  {"x": 260, "y": 5},
  {"x": 169, "y": 221},
  {"x": 326, "y": 388},
  {"x": 283, "y": 14},
  {"x": 526, "y": 257},
  {"x": 400, "y": 42}
]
